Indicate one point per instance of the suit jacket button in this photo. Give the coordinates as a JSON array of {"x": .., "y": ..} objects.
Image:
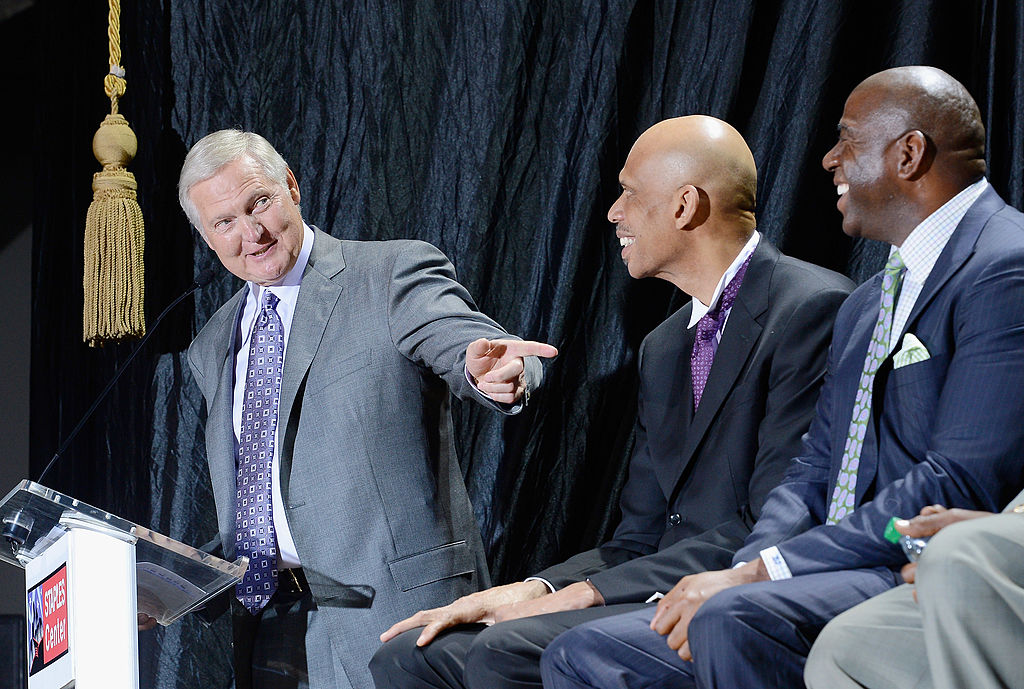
[{"x": 674, "y": 519}]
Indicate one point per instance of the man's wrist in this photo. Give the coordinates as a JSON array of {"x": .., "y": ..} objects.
[
  {"x": 597, "y": 599},
  {"x": 548, "y": 586}
]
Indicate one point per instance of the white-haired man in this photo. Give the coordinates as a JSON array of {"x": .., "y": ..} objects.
[{"x": 327, "y": 379}]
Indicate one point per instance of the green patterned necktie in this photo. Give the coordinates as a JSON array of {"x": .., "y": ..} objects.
[{"x": 878, "y": 349}]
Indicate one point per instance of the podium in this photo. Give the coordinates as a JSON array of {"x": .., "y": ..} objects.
[{"x": 87, "y": 574}]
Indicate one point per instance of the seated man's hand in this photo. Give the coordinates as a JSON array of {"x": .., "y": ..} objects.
[
  {"x": 675, "y": 610},
  {"x": 497, "y": 366},
  {"x": 145, "y": 622},
  {"x": 929, "y": 522},
  {"x": 576, "y": 596},
  {"x": 477, "y": 607}
]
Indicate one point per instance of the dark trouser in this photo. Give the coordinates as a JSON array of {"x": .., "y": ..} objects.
[
  {"x": 270, "y": 648},
  {"x": 503, "y": 656},
  {"x": 753, "y": 636}
]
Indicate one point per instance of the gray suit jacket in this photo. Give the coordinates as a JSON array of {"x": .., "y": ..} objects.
[{"x": 369, "y": 477}]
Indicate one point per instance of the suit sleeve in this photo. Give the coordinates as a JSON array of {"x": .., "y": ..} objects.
[
  {"x": 974, "y": 459},
  {"x": 794, "y": 379},
  {"x": 797, "y": 503},
  {"x": 643, "y": 506},
  {"x": 432, "y": 319}
]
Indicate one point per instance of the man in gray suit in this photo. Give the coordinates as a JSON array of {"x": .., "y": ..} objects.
[
  {"x": 961, "y": 627},
  {"x": 329, "y": 439}
]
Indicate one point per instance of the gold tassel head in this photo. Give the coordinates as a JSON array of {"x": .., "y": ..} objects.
[
  {"x": 114, "y": 143},
  {"x": 114, "y": 241}
]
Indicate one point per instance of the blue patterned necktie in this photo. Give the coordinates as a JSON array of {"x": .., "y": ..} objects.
[
  {"x": 254, "y": 525},
  {"x": 846, "y": 482},
  {"x": 705, "y": 342}
]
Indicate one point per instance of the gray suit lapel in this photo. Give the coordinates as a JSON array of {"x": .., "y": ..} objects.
[
  {"x": 220, "y": 434},
  {"x": 318, "y": 296}
]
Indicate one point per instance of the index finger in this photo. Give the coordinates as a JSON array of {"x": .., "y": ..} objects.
[
  {"x": 527, "y": 348},
  {"x": 401, "y": 626}
]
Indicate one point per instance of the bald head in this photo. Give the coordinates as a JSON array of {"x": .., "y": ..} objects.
[
  {"x": 910, "y": 139},
  {"x": 707, "y": 153},
  {"x": 687, "y": 202},
  {"x": 931, "y": 101}
]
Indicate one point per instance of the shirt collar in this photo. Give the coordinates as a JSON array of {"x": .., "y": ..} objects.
[
  {"x": 699, "y": 309},
  {"x": 921, "y": 248}
]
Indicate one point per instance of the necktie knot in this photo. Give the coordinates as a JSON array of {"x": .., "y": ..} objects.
[{"x": 270, "y": 300}]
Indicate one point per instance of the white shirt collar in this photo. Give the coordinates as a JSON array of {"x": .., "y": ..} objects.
[
  {"x": 699, "y": 309},
  {"x": 921, "y": 248}
]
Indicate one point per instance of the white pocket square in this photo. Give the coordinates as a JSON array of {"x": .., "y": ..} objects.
[{"x": 912, "y": 352}]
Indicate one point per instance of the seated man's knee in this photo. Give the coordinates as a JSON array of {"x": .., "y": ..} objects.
[
  {"x": 503, "y": 652},
  {"x": 956, "y": 556},
  {"x": 717, "y": 614},
  {"x": 568, "y": 660},
  {"x": 825, "y": 661},
  {"x": 392, "y": 660}
]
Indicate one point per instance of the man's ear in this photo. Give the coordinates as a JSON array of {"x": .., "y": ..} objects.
[
  {"x": 293, "y": 187},
  {"x": 687, "y": 202},
  {"x": 915, "y": 154}
]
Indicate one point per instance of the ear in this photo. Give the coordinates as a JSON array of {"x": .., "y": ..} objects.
[
  {"x": 293, "y": 187},
  {"x": 687, "y": 200},
  {"x": 914, "y": 155}
]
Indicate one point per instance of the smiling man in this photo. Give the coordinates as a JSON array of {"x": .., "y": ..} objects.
[
  {"x": 922, "y": 405},
  {"x": 327, "y": 380},
  {"x": 727, "y": 387}
]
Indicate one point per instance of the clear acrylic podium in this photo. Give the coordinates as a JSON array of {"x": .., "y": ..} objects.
[{"x": 87, "y": 574}]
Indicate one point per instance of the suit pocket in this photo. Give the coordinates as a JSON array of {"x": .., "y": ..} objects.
[
  {"x": 931, "y": 373},
  {"x": 330, "y": 372},
  {"x": 442, "y": 562}
]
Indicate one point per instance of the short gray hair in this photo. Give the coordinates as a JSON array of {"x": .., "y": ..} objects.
[{"x": 216, "y": 150}]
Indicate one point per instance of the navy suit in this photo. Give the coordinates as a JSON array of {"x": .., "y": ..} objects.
[
  {"x": 945, "y": 430},
  {"x": 697, "y": 480}
]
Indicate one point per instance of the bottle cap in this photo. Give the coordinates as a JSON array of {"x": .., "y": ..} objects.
[{"x": 891, "y": 534}]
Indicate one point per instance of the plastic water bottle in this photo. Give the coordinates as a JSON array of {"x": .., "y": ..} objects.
[{"x": 913, "y": 547}]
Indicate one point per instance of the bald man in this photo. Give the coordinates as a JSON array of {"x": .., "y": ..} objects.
[
  {"x": 727, "y": 387},
  {"x": 922, "y": 405}
]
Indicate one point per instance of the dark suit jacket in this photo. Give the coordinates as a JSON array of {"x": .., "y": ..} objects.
[
  {"x": 947, "y": 430},
  {"x": 369, "y": 477},
  {"x": 697, "y": 482}
]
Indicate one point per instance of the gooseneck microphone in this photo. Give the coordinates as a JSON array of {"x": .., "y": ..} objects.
[{"x": 202, "y": 280}]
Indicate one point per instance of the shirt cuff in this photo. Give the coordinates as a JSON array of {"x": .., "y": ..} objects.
[
  {"x": 775, "y": 564},
  {"x": 551, "y": 588}
]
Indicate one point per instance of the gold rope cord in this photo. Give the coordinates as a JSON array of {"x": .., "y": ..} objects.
[{"x": 113, "y": 280}]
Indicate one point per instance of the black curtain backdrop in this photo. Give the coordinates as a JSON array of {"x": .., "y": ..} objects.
[{"x": 494, "y": 130}]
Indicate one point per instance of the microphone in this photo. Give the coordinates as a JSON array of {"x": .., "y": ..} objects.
[{"x": 202, "y": 280}]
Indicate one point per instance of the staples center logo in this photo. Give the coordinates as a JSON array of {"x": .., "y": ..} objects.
[{"x": 48, "y": 620}]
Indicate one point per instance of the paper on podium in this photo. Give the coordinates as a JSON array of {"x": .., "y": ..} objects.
[{"x": 161, "y": 592}]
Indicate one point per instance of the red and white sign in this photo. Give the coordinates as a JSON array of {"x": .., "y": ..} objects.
[{"x": 48, "y": 631}]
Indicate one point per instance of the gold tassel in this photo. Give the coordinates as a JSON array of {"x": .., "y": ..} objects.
[{"x": 113, "y": 280}]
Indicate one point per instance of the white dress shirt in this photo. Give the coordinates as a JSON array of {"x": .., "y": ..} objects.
[{"x": 287, "y": 291}]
